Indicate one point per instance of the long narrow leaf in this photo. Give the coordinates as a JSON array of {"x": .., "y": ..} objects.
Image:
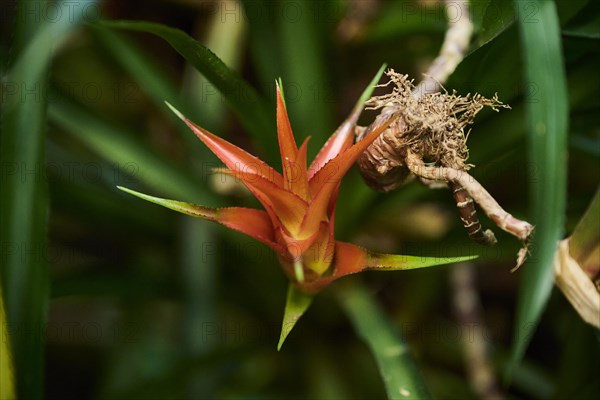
[
  {"x": 144, "y": 69},
  {"x": 7, "y": 379},
  {"x": 149, "y": 75},
  {"x": 547, "y": 141},
  {"x": 304, "y": 67},
  {"x": 244, "y": 100},
  {"x": 199, "y": 267},
  {"x": 23, "y": 193},
  {"x": 586, "y": 235},
  {"x": 262, "y": 41},
  {"x": 118, "y": 146},
  {"x": 400, "y": 375}
]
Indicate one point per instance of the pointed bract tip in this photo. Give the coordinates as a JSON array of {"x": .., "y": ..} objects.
[{"x": 176, "y": 111}]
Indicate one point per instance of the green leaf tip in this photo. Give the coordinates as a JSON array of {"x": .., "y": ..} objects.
[
  {"x": 371, "y": 87},
  {"x": 399, "y": 262},
  {"x": 279, "y": 84},
  {"x": 138, "y": 194},
  {"x": 364, "y": 97},
  {"x": 296, "y": 304},
  {"x": 176, "y": 111},
  {"x": 151, "y": 199},
  {"x": 192, "y": 210}
]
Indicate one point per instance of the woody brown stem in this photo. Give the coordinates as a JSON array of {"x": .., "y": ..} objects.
[{"x": 505, "y": 221}]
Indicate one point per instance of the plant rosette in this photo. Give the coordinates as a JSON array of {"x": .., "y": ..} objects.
[{"x": 299, "y": 207}]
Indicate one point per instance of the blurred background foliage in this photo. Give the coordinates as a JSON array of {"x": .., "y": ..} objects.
[{"x": 144, "y": 303}]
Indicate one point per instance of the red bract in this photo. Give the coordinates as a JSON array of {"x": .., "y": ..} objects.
[{"x": 299, "y": 206}]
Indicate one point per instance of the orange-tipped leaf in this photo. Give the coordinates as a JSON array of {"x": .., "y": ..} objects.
[
  {"x": 231, "y": 155},
  {"x": 350, "y": 259},
  {"x": 254, "y": 223}
]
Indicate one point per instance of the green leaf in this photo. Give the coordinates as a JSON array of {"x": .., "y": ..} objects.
[
  {"x": 243, "y": 99},
  {"x": 192, "y": 210},
  {"x": 585, "y": 241},
  {"x": 304, "y": 69},
  {"x": 398, "y": 18},
  {"x": 118, "y": 146},
  {"x": 263, "y": 42},
  {"x": 151, "y": 78},
  {"x": 573, "y": 12},
  {"x": 589, "y": 31},
  {"x": 199, "y": 267},
  {"x": 547, "y": 145},
  {"x": 296, "y": 304},
  {"x": 396, "y": 366},
  {"x": 7, "y": 379},
  {"x": 498, "y": 58},
  {"x": 368, "y": 92},
  {"x": 91, "y": 203},
  {"x": 397, "y": 262},
  {"x": 491, "y": 20},
  {"x": 142, "y": 68},
  {"x": 492, "y": 17},
  {"x": 24, "y": 192}
]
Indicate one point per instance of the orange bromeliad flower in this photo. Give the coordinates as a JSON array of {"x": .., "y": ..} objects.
[{"x": 299, "y": 207}]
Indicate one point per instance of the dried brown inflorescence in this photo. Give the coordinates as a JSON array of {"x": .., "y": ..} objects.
[
  {"x": 431, "y": 126},
  {"x": 429, "y": 140}
]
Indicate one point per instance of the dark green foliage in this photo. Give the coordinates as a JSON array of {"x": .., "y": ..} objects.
[{"x": 128, "y": 300}]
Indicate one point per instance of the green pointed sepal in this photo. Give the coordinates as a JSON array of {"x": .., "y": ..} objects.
[{"x": 296, "y": 304}]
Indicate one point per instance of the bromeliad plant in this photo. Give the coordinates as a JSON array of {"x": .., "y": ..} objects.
[{"x": 300, "y": 204}]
